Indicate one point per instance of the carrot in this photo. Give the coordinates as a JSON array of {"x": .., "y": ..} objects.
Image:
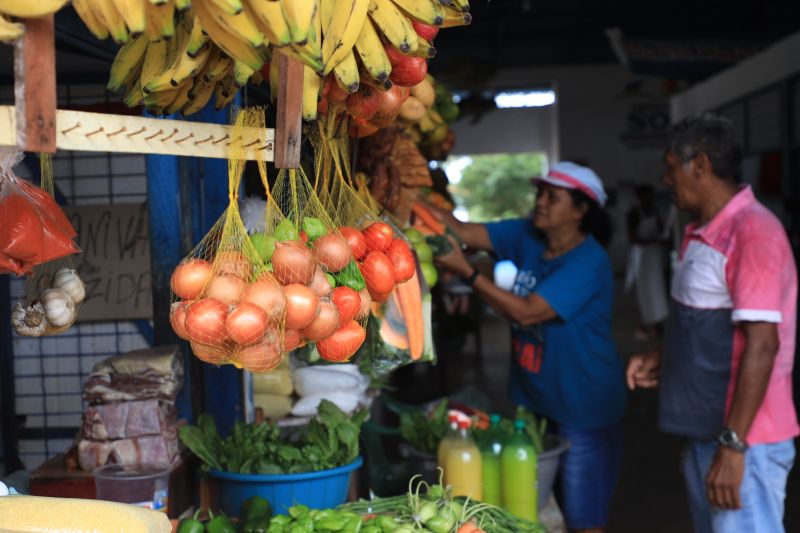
[
  {"x": 409, "y": 299},
  {"x": 390, "y": 336},
  {"x": 428, "y": 218},
  {"x": 468, "y": 527}
]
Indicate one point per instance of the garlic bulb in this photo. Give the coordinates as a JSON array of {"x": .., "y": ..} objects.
[
  {"x": 58, "y": 307},
  {"x": 30, "y": 321},
  {"x": 68, "y": 280}
]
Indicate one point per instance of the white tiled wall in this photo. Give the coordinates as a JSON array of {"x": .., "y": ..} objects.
[{"x": 49, "y": 372}]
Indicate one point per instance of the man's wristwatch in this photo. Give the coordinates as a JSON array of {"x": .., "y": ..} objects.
[
  {"x": 730, "y": 439},
  {"x": 470, "y": 280}
]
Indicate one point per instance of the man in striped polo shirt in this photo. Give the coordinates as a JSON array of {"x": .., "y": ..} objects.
[{"x": 725, "y": 367}]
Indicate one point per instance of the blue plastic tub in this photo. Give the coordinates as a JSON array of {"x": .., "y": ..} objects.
[{"x": 323, "y": 489}]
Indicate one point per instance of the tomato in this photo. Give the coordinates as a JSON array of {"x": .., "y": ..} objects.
[
  {"x": 379, "y": 236},
  {"x": 378, "y": 273},
  {"x": 345, "y": 341},
  {"x": 402, "y": 260},
  {"x": 356, "y": 240},
  {"x": 347, "y": 301}
]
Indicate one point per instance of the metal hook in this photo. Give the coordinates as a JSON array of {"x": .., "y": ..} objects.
[
  {"x": 236, "y": 140},
  {"x": 220, "y": 140},
  {"x": 204, "y": 140},
  {"x": 170, "y": 136},
  {"x": 178, "y": 141},
  {"x": 95, "y": 131},
  {"x": 156, "y": 134},
  {"x": 267, "y": 146},
  {"x": 123, "y": 128},
  {"x": 137, "y": 132},
  {"x": 250, "y": 144},
  {"x": 76, "y": 126}
]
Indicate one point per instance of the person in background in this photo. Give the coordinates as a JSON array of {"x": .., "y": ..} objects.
[
  {"x": 565, "y": 364},
  {"x": 647, "y": 238},
  {"x": 725, "y": 369}
]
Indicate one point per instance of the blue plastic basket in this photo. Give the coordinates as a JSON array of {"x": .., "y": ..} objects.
[{"x": 323, "y": 489}]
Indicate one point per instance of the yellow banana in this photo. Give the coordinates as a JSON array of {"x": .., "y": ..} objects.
[
  {"x": 240, "y": 25},
  {"x": 10, "y": 31},
  {"x": 198, "y": 40},
  {"x": 326, "y": 10},
  {"x": 424, "y": 49},
  {"x": 343, "y": 31},
  {"x": 180, "y": 100},
  {"x": 394, "y": 25},
  {"x": 217, "y": 68},
  {"x": 188, "y": 66},
  {"x": 298, "y": 14},
  {"x": 182, "y": 5},
  {"x": 346, "y": 72},
  {"x": 127, "y": 63},
  {"x": 158, "y": 2},
  {"x": 426, "y": 11},
  {"x": 175, "y": 53},
  {"x": 134, "y": 96},
  {"x": 133, "y": 12},
  {"x": 225, "y": 91},
  {"x": 199, "y": 95},
  {"x": 312, "y": 83},
  {"x": 231, "y": 44},
  {"x": 373, "y": 55},
  {"x": 454, "y": 17},
  {"x": 461, "y": 5},
  {"x": 160, "y": 20},
  {"x": 241, "y": 73},
  {"x": 111, "y": 19},
  {"x": 86, "y": 12},
  {"x": 268, "y": 16},
  {"x": 29, "y": 9},
  {"x": 155, "y": 62},
  {"x": 157, "y": 102},
  {"x": 231, "y": 7}
]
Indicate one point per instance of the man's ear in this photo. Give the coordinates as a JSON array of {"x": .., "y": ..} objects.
[{"x": 702, "y": 165}]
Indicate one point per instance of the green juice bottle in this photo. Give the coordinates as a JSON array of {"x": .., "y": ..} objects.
[
  {"x": 518, "y": 469},
  {"x": 490, "y": 463}
]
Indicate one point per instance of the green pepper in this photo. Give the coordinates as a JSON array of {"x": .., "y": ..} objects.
[
  {"x": 298, "y": 511},
  {"x": 221, "y": 524},
  {"x": 281, "y": 519},
  {"x": 255, "y": 515},
  {"x": 191, "y": 525},
  {"x": 350, "y": 276},
  {"x": 314, "y": 228},
  {"x": 331, "y": 523},
  {"x": 285, "y": 231},
  {"x": 371, "y": 529},
  {"x": 264, "y": 245}
]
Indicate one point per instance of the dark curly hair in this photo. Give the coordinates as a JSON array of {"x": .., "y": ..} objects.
[
  {"x": 713, "y": 136},
  {"x": 596, "y": 221}
]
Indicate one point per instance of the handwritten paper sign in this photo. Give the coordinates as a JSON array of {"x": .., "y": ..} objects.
[{"x": 114, "y": 261}]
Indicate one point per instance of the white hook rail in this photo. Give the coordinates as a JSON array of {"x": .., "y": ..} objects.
[{"x": 101, "y": 132}]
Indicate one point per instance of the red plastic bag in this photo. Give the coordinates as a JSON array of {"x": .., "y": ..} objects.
[{"x": 33, "y": 228}]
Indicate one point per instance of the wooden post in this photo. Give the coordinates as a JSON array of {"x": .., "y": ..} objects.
[
  {"x": 35, "y": 86},
  {"x": 288, "y": 130}
]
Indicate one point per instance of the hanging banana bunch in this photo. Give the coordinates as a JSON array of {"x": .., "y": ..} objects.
[{"x": 11, "y": 30}]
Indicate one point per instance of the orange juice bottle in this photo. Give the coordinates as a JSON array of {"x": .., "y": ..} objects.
[
  {"x": 447, "y": 441},
  {"x": 463, "y": 464}
]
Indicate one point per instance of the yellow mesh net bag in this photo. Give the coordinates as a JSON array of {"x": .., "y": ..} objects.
[
  {"x": 226, "y": 302},
  {"x": 53, "y": 291}
]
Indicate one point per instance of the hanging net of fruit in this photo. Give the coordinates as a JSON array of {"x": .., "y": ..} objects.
[
  {"x": 227, "y": 303},
  {"x": 53, "y": 290}
]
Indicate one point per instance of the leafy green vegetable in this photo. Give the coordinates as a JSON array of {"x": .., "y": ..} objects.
[
  {"x": 329, "y": 441},
  {"x": 422, "y": 430},
  {"x": 350, "y": 276}
]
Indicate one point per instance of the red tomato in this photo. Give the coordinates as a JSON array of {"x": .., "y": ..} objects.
[
  {"x": 345, "y": 341},
  {"x": 378, "y": 236},
  {"x": 402, "y": 259},
  {"x": 358, "y": 245},
  {"x": 303, "y": 237},
  {"x": 347, "y": 301},
  {"x": 378, "y": 273}
]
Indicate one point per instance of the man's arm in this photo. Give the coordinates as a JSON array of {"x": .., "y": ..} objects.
[{"x": 727, "y": 470}]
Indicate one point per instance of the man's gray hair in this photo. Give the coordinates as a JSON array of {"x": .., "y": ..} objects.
[{"x": 713, "y": 136}]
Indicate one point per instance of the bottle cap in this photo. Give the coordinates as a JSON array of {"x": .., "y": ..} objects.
[
  {"x": 494, "y": 419},
  {"x": 519, "y": 424},
  {"x": 464, "y": 423}
]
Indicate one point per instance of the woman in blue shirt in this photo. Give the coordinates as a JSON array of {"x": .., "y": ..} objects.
[{"x": 565, "y": 364}]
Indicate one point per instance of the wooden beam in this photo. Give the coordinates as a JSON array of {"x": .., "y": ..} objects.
[
  {"x": 35, "y": 86},
  {"x": 288, "y": 129}
]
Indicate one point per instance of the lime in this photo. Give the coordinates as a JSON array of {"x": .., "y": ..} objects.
[
  {"x": 314, "y": 228},
  {"x": 424, "y": 252},
  {"x": 430, "y": 273},
  {"x": 285, "y": 231},
  {"x": 264, "y": 245},
  {"x": 414, "y": 235}
]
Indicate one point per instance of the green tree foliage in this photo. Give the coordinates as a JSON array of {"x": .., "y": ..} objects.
[{"x": 498, "y": 186}]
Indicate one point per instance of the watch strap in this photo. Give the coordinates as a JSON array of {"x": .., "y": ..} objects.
[{"x": 470, "y": 280}]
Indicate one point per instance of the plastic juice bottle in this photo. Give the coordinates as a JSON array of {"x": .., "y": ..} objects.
[
  {"x": 490, "y": 463},
  {"x": 518, "y": 467},
  {"x": 447, "y": 440},
  {"x": 463, "y": 464}
]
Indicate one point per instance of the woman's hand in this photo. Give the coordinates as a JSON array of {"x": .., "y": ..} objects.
[{"x": 454, "y": 260}]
